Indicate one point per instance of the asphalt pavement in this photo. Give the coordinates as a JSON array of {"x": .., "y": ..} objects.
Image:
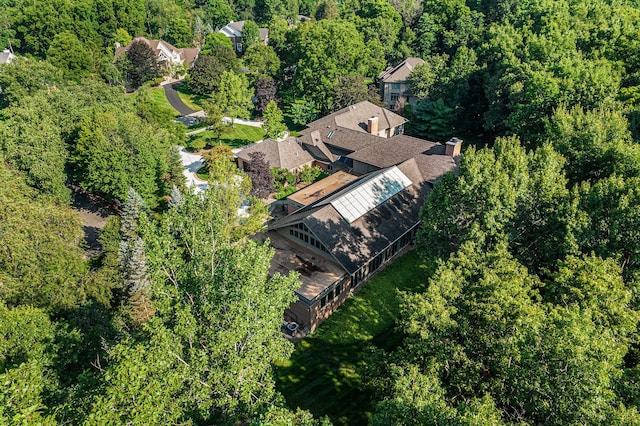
[{"x": 175, "y": 101}]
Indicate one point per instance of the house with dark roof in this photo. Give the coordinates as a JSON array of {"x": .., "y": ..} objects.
[
  {"x": 327, "y": 142},
  {"x": 284, "y": 154},
  {"x": 394, "y": 84},
  {"x": 332, "y": 138},
  {"x": 233, "y": 30},
  {"x": 341, "y": 235},
  {"x": 167, "y": 56}
]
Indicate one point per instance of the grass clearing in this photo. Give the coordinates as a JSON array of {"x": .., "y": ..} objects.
[
  {"x": 159, "y": 105},
  {"x": 191, "y": 100},
  {"x": 240, "y": 136},
  {"x": 159, "y": 100},
  {"x": 322, "y": 375}
]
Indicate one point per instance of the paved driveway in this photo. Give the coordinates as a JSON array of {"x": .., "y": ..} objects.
[
  {"x": 191, "y": 163},
  {"x": 175, "y": 101}
]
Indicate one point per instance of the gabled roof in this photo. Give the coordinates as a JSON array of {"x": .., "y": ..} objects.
[
  {"x": 357, "y": 201},
  {"x": 428, "y": 168},
  {"x": 6, "y": 56},
  {"x": 353, "y": 244},
  {"x": 313, "y": 143},
  {"x": 395, "y": 150},
  {"x": 286, "y": 154},
  {"x": 234, "y": 29},
  {"x": 401, "y": 71},
  {"x": 353, "y": 241},
  {"x": 187, "y": 54},
  {"x": 355, "y": 117}
]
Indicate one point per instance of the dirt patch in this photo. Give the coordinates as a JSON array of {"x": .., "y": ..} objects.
[{"x": 94, "y": 212}]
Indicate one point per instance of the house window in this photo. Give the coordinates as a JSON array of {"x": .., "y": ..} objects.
[
  {"x": 338, "y": 289},
  {"x": 238, "y": 47},
  {"x": 396, "y": 87},
  {"x": 323, "y": 302}
]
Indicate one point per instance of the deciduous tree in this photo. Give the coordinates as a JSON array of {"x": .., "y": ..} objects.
[
  {"x": 234, "y": 96},
  {"x": 260, "y": 175},
  {"x": 273, "y": 121}
]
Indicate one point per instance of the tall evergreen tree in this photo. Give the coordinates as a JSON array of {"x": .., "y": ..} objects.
[{"x": 142, "y": 64}]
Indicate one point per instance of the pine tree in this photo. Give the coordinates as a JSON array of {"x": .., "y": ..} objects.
[
  {"x": 131, "y": 213},
  {"x": 176, "y": 197},
  {"x": 142, "y": 66}
]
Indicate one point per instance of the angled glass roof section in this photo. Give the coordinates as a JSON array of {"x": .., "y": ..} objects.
[{"x": 365, "y": 197}]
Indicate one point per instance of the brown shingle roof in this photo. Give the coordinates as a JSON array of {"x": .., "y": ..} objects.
[
  {"x": 312, "y": 142},
  {"x": 286, "y": 154},
  {"x": 349, "y": 140},
  {"x": 353, "y": 244},
  {"x": 430, "y": 167},
  {"x": 355, "y": 117},
  {"x": 395, "y": 150},
  {"x": 401, "y": 71}
]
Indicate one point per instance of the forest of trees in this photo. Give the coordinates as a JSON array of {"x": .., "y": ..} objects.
[{"x": 530, "y": 315}]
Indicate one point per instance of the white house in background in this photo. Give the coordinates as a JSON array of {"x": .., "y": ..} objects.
[
  {"x": 6, "y": 56},
  {"x": 168, "y": 57},
  {"x": 233, "y": 30}
]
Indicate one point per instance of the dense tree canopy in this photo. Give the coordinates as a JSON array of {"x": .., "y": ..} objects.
[{"x": 528, "y": 308}]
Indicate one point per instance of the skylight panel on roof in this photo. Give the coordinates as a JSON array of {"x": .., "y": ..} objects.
[{"x": 370, "y": 194}]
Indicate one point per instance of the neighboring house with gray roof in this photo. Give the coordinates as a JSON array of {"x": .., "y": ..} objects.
[
  {"x": 339, "y": 239},
  {"x": 233, "y": 30},
  {"x": 284, "y": 154},
  {"x": 394, "y": 84}
]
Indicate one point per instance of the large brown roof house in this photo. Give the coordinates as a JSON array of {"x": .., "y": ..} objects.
[
  {"x": 339, "y": 240},
  {"x": 332, "y": 138}
]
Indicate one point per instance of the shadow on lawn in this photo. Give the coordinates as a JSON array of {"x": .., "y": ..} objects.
[
  {"x": 324, "y": 374},
  {"x": 196, "y": 99},
  {"x": 324, "y": 379},
  {"x": 235, "y": 143}
]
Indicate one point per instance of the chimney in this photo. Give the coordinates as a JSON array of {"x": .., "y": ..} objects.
[
  {"x": 372, "y": 125},
  {"x": 453, "y": 147}
]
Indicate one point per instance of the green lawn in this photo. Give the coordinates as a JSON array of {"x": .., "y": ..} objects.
[
  {"x": 161, "y": 103},
  {"x": 160, "y": 106},
  {"x": 191, "y": 100},
  {"x": 322, "y": 375},
  {"x": 240, "y": 136}
]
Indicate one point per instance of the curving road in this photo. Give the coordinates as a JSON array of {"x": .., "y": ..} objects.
[{"x": 175, "y": 101}]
